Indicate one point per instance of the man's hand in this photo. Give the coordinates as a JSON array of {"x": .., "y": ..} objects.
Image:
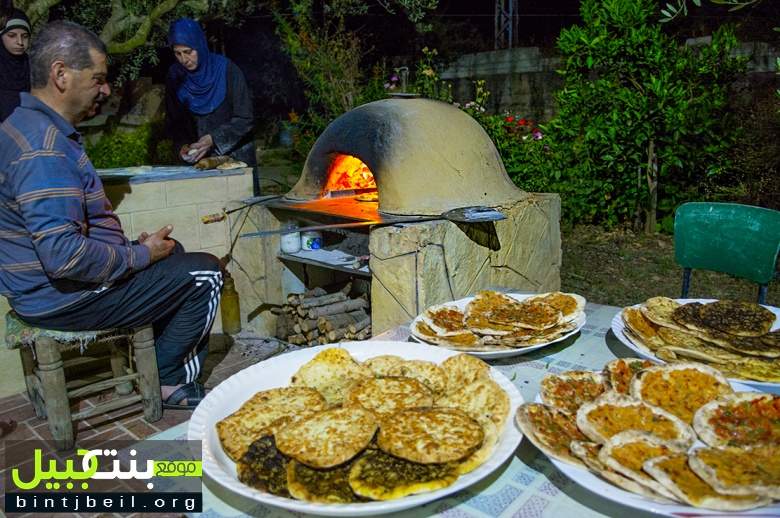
[
  {"x": 201, "y": 148},
  {"x": 158, "y": 243},
  {"x": 143, "y": 236}
]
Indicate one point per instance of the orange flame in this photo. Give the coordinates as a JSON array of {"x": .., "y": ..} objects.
[{"x": 348, "y": 172}]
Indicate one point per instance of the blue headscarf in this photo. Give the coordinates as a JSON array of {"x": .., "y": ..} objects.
[{"x": 203, "y": 90}]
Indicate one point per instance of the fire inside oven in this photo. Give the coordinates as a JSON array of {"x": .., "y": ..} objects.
[{"x": 348, "y": 176}]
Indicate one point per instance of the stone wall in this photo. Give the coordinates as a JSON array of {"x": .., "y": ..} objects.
[
  {"x": 523, "y": 80},
  {"x": 420, "y": 264}
]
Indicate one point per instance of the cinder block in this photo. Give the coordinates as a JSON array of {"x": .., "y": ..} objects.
[
  {"x": 126, "y": 198},
  {"x": 239, "y": 187},
  {"x": 185, "y": 223},
  {"x": 196, "y": 190}
]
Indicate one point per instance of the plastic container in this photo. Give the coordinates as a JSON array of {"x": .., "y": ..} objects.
[
  {"x": 291, "y": 243},
  {"x": 311, "y": 240}
]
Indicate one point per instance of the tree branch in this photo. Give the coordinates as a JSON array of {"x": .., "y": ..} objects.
[
  {"x": 142, "y": 33},
  {"x": 36, "y": 10}
]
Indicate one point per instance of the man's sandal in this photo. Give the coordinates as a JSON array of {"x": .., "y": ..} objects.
[{"x": 193, "y": 392}]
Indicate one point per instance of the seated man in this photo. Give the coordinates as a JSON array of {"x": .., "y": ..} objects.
[{"x": 64, "y": 261}]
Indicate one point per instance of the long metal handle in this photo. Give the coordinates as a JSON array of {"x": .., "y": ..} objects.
[{"x": 353, "y": 224}]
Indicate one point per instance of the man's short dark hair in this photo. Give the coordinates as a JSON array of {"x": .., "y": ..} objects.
[{"x": 61, "y": 41}]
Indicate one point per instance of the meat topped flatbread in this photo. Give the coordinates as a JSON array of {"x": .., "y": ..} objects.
[
  {"x": 569, "y": 390},
  {"x": 445, "y": 320},
  {"x": 739, "y": 471},
  {"x": 738, "y": 318},
  {"x": 478, "y": 309},
  {"x": 569, "y": 304},
  {"x": 550, "y": 430},
  {"x": 528, "y": 314},
  {"x": 618, "y": 373},
  {"x": 740, "y": 419},
  {"x": 681, "y": 389}
]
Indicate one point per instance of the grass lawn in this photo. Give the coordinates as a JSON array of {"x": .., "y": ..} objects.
[{"x": 620, "y": 268}]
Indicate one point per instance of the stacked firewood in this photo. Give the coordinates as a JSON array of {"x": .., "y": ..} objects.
[{"x": 317, "y": 317}]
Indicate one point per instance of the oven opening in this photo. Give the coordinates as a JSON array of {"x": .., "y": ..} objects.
[{"x": 348, "y": 176}]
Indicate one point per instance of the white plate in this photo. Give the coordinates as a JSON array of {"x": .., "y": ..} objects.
[
  {"x": 229, "y": 395},
  {"x": 601, "y": 487},
  {"x": 501, "y": 353},
  {"x": 618, "y": 326}
]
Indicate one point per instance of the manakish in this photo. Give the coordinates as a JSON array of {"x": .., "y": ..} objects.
[
  {"x": 569, "y": 390},
  {"x": 331, "y": 373},
  {"x": 627, "y": 451},
  {"x": 636, "y": 322},
  {"x": 613, "y": 413},
  {"x": 571, "y": 305},
  {"x": 484, "y": 452},
  {"x": 740, "y": 419},
  {"x": 387, "y": 395},
  {"x": 264, "y": 412},
  {"x": 379, "y": 476},
  {"x": 659, "y": 310},
  {"x": 550, "y": 430},
  {"x": 465, "y": 340},
  {"x": 463, "y": 369},
  {"x": 264, "y": 467},
  {"x": 445, "y": 320},
  {"x": 326, "y": 486},
  {"x": 680, "y": 389},
  {"x": 427, "y": 373},
  {"x": 482, "y": 398},
  {"x": 527, "y": 314},
  {"x": 430, "y": 435},
  {"x": 737, "y": 318},
  {"x": 383, "y": 364},
  {"x": 759, "y": 369},
  {"x": 674, "y": 473},
  {"x": 588, "y": 453},
  {"x": 478, "y": 310},
  {"x": 328, "y": 438},
  {"x": 738, "y": 471},
  {"x": 618, "y": 373}
]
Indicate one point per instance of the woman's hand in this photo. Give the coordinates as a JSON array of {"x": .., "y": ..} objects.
[
  {"x": 199, "y": 149},
  {"x": 187, "y": 152}
]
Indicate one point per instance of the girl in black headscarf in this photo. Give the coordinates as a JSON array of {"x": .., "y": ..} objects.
[{"x": 14, "y": 63}]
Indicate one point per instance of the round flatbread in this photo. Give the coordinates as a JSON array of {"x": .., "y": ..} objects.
[
  {"x": 387, "y": 395},
  {"x": 328, "y": 438},
  {"x": 531, "y": 314},
  {"x": 659, "y": 311},
  {"x": 618, "y": 373},
  {"x": 463, "y": 369},
  {"x": 430, "y": 435},
  {"x": 739, "y": 471},
  {"x": 263, "y": 414},
  {"x": 482, "y": 398},
  {"x": 737, "y": 317},
  {"x": 640, "y": 326},
  {"x": 569, "y": 390},
  {"x": 550, "y": 430},
  {"x": 383, "y": 364},
  {"x": 462, "y": 341},
  {"x": 613, "y": 413},
  {"x": 478, "y": 309},
  {"x": 326, "y": 486},
  {"x": 330, "y": 372},
  {"x": 445, "y": 320},
  {"x": 380, "y": 476},
  {"x": 680, "y": 389},
  {"x": 571, "y": 305},
  {"x": 264, "y": 467},
  {"x": 588, "y": 453},
  {"x": 740, "y": 419},
  {"x": 627, "y": 451},
  {"x": 427, "y": 373},
  {"x": 673, "y": 472},
  {"x": 484, "y": 452}
]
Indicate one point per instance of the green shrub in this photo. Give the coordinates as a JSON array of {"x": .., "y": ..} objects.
[{"x": 127, "y": 148}]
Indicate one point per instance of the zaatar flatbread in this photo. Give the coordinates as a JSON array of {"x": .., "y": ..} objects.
[
  {"x": 550, "y": 430},
  {"x": 740, "y": 419},
  {"x": 739, "y": 471},
  {"x": 627, "y": 451},
  {"x": 613, "y": 413},
  {"x": 674, "y": 473},
  {"x": 326, "y": 486},
  {"x": 680, "y": 389},
  {"x": 759, "y": 369},
  {"x": 737, "y": 317},
  {"x": 569, "y": 390}
]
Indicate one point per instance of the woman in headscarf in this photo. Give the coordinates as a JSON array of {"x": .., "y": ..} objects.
[
  {"x": 208, "y": 105},
  {"x": 14, "y": 62}
]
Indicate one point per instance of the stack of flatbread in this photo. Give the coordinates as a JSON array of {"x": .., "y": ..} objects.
[
  {"x": 494, "y": 321},
  {"x": 345, "y": 431},
  {"x": 735, "y": 337},
  {"x": 635, "y": 424}
]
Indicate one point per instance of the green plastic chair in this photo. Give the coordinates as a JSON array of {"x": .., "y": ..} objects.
[{"x": 741, "y": 240}]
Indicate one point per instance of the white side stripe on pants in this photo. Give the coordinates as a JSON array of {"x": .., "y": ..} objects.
[{"x": 191, "y": 362}]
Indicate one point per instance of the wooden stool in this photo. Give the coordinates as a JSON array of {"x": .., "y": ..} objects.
[{"x": 44, "y": 374}]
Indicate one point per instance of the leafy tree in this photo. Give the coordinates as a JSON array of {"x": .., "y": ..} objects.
[{"x": 642, "y": 120}]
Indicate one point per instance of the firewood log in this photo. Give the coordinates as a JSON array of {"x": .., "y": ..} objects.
[
  {"x": 323, "y": 300},
  {"x": 338, "y": 307},
  {"x": 282, "y": 326},
  {"x": 364, "y": 334},
  {"x": 347, "y": 288},
  {"x": 331, "y": 322},
  {"x": 337, "y": 334},
  {"x": 361, "y": 325},
  {"x": 311, "y": 335},
  {"x": 296, "y": 339}
]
